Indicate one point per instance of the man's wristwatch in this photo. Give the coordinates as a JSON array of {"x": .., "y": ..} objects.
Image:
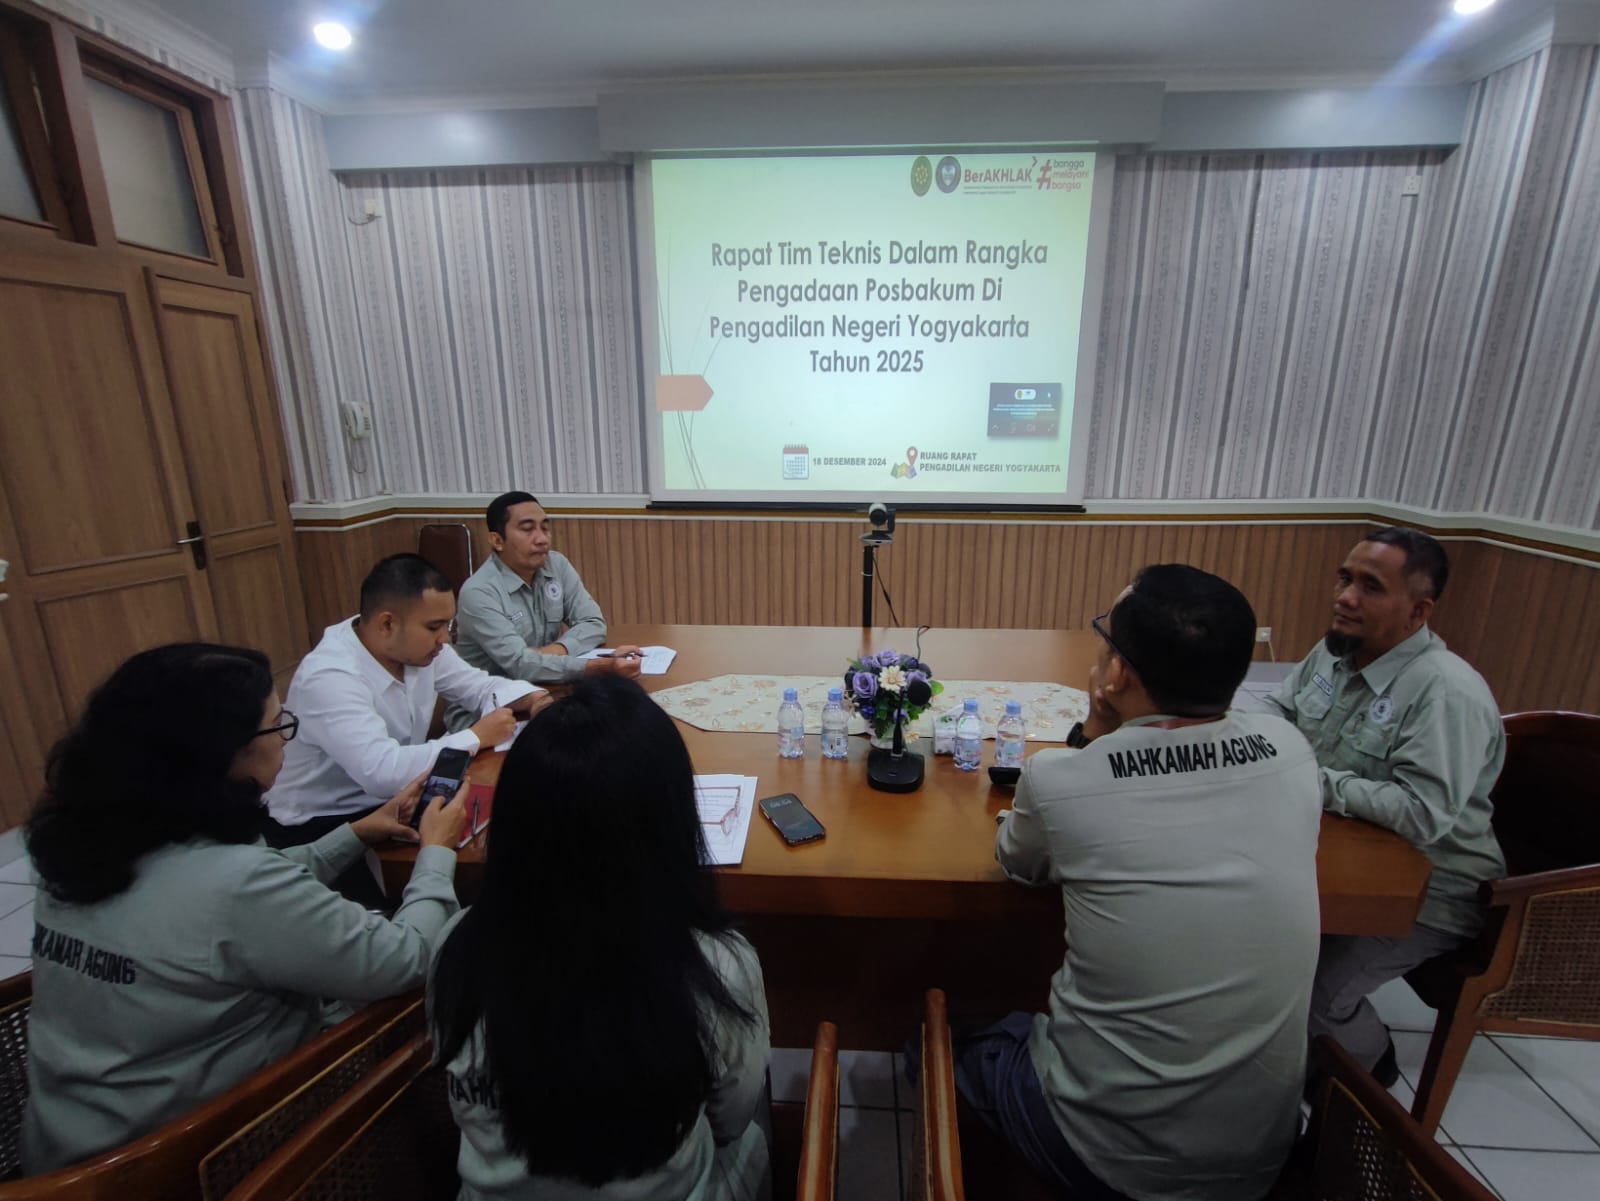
[{"x": 1075, "y": 738}]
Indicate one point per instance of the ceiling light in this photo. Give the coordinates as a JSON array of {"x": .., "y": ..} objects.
[
  {"x": 336, "y": 37},
  {"x": 1465, "y": 8}
]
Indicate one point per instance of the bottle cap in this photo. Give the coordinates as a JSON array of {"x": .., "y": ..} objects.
[
  {"x": 835, "y": 696},
  {"x": 1013, "y": 708},
  {"x": 970, "y": 705},
  {"x": 789, "y": 694}
]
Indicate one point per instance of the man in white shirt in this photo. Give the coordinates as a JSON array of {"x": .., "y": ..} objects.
[{"x": 365, "y": 698}]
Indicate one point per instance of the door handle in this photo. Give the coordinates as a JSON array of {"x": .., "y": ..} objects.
[{"x": 196, "y": 542}]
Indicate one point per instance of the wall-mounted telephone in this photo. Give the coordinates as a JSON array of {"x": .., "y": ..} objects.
[{"x": 357, "y": 420}]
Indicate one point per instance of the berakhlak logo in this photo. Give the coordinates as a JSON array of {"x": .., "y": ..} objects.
[
  {"x": 921, "y": 175},
  {"x": 949, "y": 174}
]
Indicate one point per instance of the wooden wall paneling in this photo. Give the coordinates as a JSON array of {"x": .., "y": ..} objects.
[{"x": 1529, "y": 623}]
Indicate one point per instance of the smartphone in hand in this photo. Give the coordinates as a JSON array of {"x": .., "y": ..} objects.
[
  {"x": 449, "y": 769},
  {"x": 794, "y": 822}
]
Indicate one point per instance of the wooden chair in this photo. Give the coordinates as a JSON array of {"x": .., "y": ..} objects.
[
  {"x": 1535, "y": 969},
  {"x": 448, "y": 546},
  {"x": 166, "y": 1163},
  {"x": 389, "y": 1138},
  {"x": 16, "y": 1000},
  {"x": 818, "y": 1174},
  {"x": 1362, "y": 1146}
]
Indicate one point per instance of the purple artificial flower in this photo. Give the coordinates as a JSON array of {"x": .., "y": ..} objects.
[
  {"x": 916, "y": 674},
  {"x": 888, "y": 658},
  {"x": 865, "y": 685}
]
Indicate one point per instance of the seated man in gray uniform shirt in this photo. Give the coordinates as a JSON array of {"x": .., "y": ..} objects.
[
  {"x": 1408, "y": 737},
  {"x": 525, "y": 613},
  {"x": 1183, "y": 838}
]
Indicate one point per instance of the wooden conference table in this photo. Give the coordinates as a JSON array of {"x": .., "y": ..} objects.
[{"x": 904, "y": 893}]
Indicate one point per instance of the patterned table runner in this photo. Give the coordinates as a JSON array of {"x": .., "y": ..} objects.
[{"x": 749, "y": 704}]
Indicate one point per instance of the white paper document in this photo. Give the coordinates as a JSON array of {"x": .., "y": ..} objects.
[
  {"x": 655, "y": 662},
  {"x": 506, "y": 745},
  {"x": 725, "y": 804}
]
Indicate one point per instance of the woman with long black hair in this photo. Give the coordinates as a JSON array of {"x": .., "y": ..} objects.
[
  {"x": 174, "y": 953},
  {"x": 604, "y": 1029}
]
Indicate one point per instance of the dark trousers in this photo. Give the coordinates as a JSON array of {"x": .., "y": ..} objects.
[
  {"x": 356, "y": 881},
  {"x": 995, "y": 1077}
]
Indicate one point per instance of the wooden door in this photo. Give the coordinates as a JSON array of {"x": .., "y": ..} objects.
[
  {"x": 228, "y": 428},
  {"x": 94, "y": 500}
]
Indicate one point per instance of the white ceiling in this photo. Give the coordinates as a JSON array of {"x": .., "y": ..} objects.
[{"x": 484, "y": 50}]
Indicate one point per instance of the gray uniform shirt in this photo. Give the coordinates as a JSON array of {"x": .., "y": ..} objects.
[
  {"x": 209, "y": 967},
  {"x": 1173, "y": 1054},
  {"x": 1412, "y": 742},
  {"x": 502, "y": 620},
  {"x": 724, "y": 1157}
]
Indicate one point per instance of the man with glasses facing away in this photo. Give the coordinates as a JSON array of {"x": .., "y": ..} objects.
[
  {"x": 1183, "y": 838},
  {"x": 525, "y": 612},
  {"x": 1408, "y": 737},
  {"x": 365, "y": 698}
]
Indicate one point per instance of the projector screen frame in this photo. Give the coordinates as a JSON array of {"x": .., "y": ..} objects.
[{"x": 663, "y": 499}]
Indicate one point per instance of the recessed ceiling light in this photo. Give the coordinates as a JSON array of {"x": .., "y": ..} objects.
[
  {"x": 336, "y": 37},
  {"x": 1466, "y": 8}
]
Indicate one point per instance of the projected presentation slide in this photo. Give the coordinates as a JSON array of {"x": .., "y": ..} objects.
[{"x": 876, "y": 325}]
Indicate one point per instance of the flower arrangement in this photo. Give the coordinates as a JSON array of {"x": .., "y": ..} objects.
[{"x": 889, "y": 685}]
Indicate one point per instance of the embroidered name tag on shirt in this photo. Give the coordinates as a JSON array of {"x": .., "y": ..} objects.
[
  {"x": 1321, "y": 683},
  {"x": 1382, "y": 710}
]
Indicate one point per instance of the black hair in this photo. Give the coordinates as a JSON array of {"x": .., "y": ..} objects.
[
  {"x": 402, "y": 577},
  {"x": 147, "y": 764},
  {"x": 499, "y": 511},
  {"x": 597, "y": 1002},
  {"x": 1425, "y": 558},
  {"x": 1188, "y": 634}
]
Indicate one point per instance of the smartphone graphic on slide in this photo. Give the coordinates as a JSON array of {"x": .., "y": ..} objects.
[{"x": 1024, "y": 410}]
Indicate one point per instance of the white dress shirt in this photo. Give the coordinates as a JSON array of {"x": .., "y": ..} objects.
[{"x": 363, "y": 733}]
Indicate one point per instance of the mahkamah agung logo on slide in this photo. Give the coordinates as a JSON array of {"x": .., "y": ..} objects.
[
  {"x": 949, "y": 175},
  {"x": 921, "y": 175}
]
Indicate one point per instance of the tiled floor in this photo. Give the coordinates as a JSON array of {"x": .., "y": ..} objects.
[{"x": 1524, "y": 1116}]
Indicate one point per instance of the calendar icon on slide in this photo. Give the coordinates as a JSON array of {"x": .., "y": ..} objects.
[{"x": 796, "y": 463}]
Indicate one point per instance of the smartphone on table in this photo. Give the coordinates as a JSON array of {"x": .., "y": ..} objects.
[
  {"x": 793, "y": 820},
  {"x": 449, "y": 769}
]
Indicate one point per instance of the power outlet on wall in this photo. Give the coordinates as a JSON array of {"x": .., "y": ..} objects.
[{"x": 1263, "y": 633}]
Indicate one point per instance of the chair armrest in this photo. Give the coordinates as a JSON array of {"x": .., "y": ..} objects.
[
  {"x": 819, "y": 1138},
  {"x": 18, "y": 988},
  {"x": 941, "y": 1137},
  {"x": 1513, "y": 889},
  {"x": 297, "y": 1163}
]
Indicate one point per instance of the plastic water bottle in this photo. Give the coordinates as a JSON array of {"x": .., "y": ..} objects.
[
  {"x": 791, "y": 726},
  {"x": 835, "y": 727},
  {"x": 1009, "y": 736},
  {"x": 969, "y": 736}
]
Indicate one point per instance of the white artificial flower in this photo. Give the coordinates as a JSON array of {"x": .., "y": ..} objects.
[{"x": 892, "y": 678}]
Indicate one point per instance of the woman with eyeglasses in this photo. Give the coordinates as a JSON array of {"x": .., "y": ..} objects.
[
  {"x": 174, "y": 953},
  {"x": 603, "y": 1029}
]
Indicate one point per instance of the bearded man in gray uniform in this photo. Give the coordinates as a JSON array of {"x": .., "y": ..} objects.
[
  {"x": 1183, "y": 838},
  {"x": 1408, "y": 737}
]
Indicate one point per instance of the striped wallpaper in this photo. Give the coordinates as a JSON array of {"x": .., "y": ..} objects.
[
  {"x": 1275, "y": 326},
  {"x": 299, "y": 214},
  {"x": 499, "y": 327}
]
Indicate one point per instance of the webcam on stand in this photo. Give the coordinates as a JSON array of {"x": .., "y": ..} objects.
[{"x": 881, "y": 518}]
